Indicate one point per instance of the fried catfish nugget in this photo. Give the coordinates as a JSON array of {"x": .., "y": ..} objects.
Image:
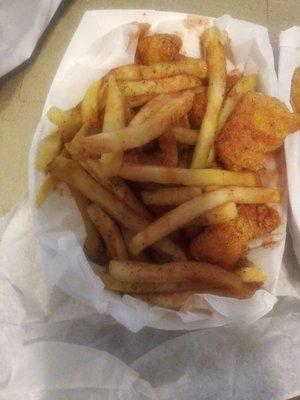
[
  {"x": 225, "y": 244},
  {"x": 157, "y": 48},
  {"x": 258, "y": 125}
]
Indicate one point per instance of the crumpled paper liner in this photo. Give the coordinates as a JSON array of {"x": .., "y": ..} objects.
[{"x": 99, "y": 44}]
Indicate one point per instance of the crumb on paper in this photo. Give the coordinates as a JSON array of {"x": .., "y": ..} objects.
[{"x": 194, "y": 21}]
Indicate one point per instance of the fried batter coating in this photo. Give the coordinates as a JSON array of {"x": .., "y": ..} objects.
[
  {"x": 198, "y": 109},
  {"x": 158, "y": 48},
  {"x": 258, "y": 125},
  {"x": 225, "y": 244}
]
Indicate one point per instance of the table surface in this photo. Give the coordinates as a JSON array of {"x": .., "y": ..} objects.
[{"x": 22, "y": 92}]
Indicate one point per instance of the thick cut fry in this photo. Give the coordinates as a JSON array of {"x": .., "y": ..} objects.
[
  {"x": 132, "y": 271},
  {"x": 93, "y": 244},
  {"x": 75, "y": 176},
  {"x": 90, "y": 107},
  {"x": 44, "y": 190},
  {"x": 170, "y": 196},
  {"x": 189, "y": 66},
  {"x": 114, "y": 119},
  {"x": 295, "y": 91},
  {"x": 244, "y": 85},
  {"x": 184, "y": 176},
  {"x": 135, "y": 136},
  {"x": 159, "y": 86},
  {"x": 159, "y": 47},
  {"x": 48, "y": 149},
  {"x": 185, "y": 135},
  {"x": 118, "y": 186},
  {"x": 110, "y": 233},
  {"x": 186, "y": 212},
  {"x": 216, "y": 65}
]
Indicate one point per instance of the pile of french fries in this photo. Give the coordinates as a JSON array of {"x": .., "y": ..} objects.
[{"x": 139, "y": 174}]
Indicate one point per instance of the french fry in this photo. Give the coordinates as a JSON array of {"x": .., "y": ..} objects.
[
  {"x": 159, "y": 86},
  {"x": 69, "y": 121},
  {"x": 184, "y": 176},
  {"x": 44, "y": 190},
  {"x": 114, "y": 119},
  {"x": 137, "y": 101},
  {"x": 74, "y": 147},
  {"x": 118, "y": 186},
  {"x": 245, "y": 84},
  {"x": 134, "y": 287},
  {"x": 216, "y": 66},
  {"x": 189, "y": 66},
  {"x": 109, "y": 231},
  {"x": 170, "y": 196},
  {"x": 90, "y": 107},
  {"x": 208, "y": 274},
  {"x": 149, "y": 110},
  {"x": 48, "y": 149},
  {"x": 219, "y": 215},
  {"x": 188, "y": 211},
  {"x": 93, "y": 244},
  {"x": 185, "y": 135},
  {"x": 70, "y": 172},
  {"x": 135, "y": 136}
]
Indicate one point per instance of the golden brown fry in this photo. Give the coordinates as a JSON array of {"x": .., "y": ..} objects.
[
  {"x": 109, "y": 231},
  {"x": 93, "y": 245},
  {"x": 90, "y": 107},
  {"x": 114, "y": 119},
  {"x": 70, "y": 172},
  {"x": 189, "y": 66},
  {"x": 188, "y": 211},
  {"x": 216, "y": 65},
  {"x": 149, "y": 110},
  {"x": 208, "y": 274},
  {"x": 170, "y": 196},
  {"x": 135, "y": 136},
  {"x": 159, "y": 86},
  {"x": 184, "y": 176},
  {"x": 219, "y": 215},
  {"x": 295, "y": 91},
  {"x": 185, "y": 135},
  {"x": 48, "y": 149},
  {"x": 158, "y": 48},
  {"x": 74, "y": 147},
  {"x": 134, "y": 287},
  {"x": 69, "y": 122},
  {"x": 118, "y": 186},
  {"x": 129, "y": 72}
]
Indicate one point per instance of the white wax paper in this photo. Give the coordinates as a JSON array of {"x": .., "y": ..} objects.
[
  {"x": 289, "y": 59},
  {"x": 22, "y": 24},
  {"x": 107, "y": 39},
  {"x": 52, "y": 347}
]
